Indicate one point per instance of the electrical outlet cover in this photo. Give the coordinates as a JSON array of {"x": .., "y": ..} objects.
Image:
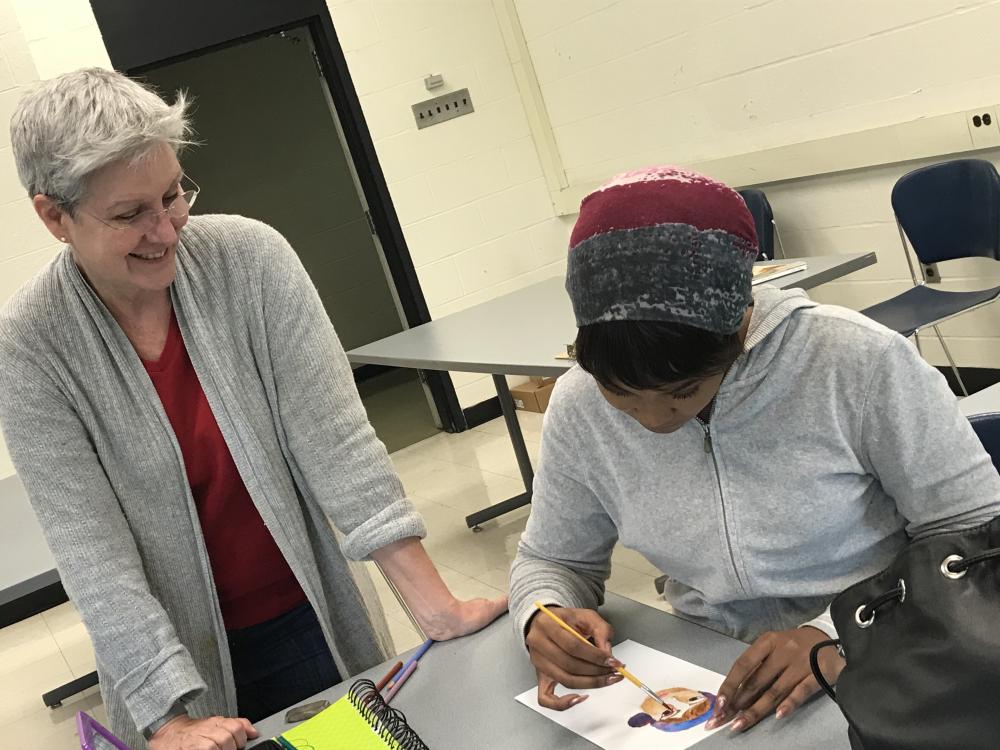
[
  {"x": 442, "y": 108},
  {"x": 984, "y": 127}
]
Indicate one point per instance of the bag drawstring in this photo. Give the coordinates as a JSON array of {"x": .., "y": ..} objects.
[
  {"x": 865, "y": 615},
  {"x": 961, "y": 565},
  {"x": 953, "y": 566},
  {"x": 817, "y": 672}
]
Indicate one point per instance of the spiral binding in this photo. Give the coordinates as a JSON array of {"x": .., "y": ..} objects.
[{"x": 389, "y": 723}]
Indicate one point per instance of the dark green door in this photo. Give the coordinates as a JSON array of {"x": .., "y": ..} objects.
[{"x": 270, "y": 149}]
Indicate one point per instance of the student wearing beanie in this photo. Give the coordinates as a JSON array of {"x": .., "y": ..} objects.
[{"x": 763, "y": 451}]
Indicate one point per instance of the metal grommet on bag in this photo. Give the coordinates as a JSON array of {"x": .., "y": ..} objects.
[
  {"x": 863, "y": 623},
  {"x": 948, "y": 572},
  {"x": 902, "y": 595}
]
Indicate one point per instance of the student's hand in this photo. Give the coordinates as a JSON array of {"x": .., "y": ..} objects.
[
  {"x": 461, "y": 617},
  {"x": 773, "y": 675},
  {"x": 560, "y": 658},
  {"x": 214, "y": 733}
]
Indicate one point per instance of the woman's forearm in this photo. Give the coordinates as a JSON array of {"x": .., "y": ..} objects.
[
  {"x": 440, "y": 615},
  {"x": 409, "y": 568}
]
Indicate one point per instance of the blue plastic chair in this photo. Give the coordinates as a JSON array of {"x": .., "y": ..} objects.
[
  {"x": 946, "y": 211},
  {"x": 763, "y": 221},
  {"x": 987, "y": 427}
]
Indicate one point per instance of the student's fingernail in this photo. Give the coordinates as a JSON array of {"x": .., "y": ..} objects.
[
  {"x": 580, "y": 699},
  {"x": 738, "y": 725},
  {"x": 781, "y": 713},
  {"x": 613, "y": 663},
  {"x": 712, "y": 723},
  {"x": 615, "y": 678},
  {"x": 720, "y": 705}
]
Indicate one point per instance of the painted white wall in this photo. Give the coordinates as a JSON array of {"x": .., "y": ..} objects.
[
  {"x": 629, "y": 83},
  {"x": 61, "y": 34},
  {"x": 632, "y": 81},
  {"x": 24, "y": 553},
  {"x": 24, "y": 245},
  {"x": 37, "y": 40},
  {"x": 626, "y": 83},
  {"x": 469, "y": 192}
]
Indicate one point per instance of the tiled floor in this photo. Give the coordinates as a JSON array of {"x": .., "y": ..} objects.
[{"x": 447, "y": 476}]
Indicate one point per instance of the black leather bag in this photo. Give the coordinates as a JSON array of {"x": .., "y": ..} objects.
[{"x": 922, "y": 645}]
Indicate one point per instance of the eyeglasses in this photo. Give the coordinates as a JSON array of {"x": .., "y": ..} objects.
[{"x": 142, "y": 222}]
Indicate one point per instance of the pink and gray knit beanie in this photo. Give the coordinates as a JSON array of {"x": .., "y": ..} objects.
[{"x": 662, "y": 244}]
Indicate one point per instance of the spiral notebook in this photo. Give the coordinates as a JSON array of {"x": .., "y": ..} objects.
[{"x": 360, "y": 720}]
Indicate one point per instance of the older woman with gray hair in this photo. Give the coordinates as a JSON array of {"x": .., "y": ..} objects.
[{"x": 186, "y": 424}]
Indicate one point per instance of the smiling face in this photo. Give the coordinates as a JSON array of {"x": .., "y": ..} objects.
[
  {"x": 122, "y": 261},
  {"x": 666, "y": 409}
]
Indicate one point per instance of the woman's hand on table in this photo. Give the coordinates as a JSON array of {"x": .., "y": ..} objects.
[
  {"x": 213, "y": 733},
  {"x": 559, "y": 658},
  {"x": 773, "y": 676},
  {"x": 460, "y": 617},
  {"x": 440, "y": 615}
]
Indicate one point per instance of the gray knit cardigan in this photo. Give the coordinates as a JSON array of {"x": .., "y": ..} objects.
[{"x": 105, "y": 475}]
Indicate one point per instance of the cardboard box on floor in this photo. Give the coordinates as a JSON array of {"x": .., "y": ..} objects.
[{"x": 533, "y": 395}]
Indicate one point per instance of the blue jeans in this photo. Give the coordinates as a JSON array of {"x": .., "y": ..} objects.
[{"x": 279, "y": 663}]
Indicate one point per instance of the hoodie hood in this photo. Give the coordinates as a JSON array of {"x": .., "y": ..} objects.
[{"x": 772, "y": 310}]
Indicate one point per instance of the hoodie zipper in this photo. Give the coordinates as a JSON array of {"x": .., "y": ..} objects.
[{"x": 710, "y": 449}]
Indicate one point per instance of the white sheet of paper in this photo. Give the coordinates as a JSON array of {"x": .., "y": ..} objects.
[{"x": 603, "y": 717}]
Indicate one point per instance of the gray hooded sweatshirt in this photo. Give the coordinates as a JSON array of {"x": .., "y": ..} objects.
[{"x": 830, "y": 444}]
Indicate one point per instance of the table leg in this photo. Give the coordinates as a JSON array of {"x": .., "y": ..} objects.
[
  {"x": 54, "y": 698},
  {"x": 474, "y": 520}
]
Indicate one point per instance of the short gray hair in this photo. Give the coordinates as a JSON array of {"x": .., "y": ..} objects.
[{"x": 65, "y": 129}]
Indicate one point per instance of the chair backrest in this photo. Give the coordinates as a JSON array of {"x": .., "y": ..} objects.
[
  {"x": 950, "y": 210},
  {"x": 763, "y": 219},
  {"x": 987, "y": 427}
]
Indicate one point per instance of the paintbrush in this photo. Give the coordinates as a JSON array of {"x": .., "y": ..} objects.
[{"x": 621, "y": 670}]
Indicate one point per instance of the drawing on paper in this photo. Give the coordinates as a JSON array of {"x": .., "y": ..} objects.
[{"x": 685, "y": 708}]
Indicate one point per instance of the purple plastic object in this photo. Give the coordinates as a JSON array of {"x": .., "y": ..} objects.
[{"x": 89, "y": 729}]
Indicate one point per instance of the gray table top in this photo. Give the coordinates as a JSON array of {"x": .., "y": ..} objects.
[
  {"x": 522, "y": 332},
  {"x": 463, "y": 693},
  {"x": 983, "y": 402}
]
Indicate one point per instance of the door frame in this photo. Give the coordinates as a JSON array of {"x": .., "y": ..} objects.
[{"x": 188, "y": 28}]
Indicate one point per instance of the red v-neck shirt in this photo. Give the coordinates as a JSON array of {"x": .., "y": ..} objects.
[{"x": 252, "y": 577}]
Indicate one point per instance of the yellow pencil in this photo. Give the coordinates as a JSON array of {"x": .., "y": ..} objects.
[{"x": 621, "y": 670}]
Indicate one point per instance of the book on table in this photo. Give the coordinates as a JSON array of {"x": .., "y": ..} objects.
[{"x": 765, "y": 272}]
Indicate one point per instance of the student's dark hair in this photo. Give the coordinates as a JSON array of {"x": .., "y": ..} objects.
[{"x": 642, "y": 355}]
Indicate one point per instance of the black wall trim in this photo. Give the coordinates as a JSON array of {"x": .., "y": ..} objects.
[
  {"x": 367, "y": 372},
  {"x": 141, "y": 35},
  {"x": 975, "y": 378},
  {"x": 186, "y": 26},
  {"x": 31, "y": 604},
  {"x": 483, "y": 412},
  {"x": 29, "y": 585}
]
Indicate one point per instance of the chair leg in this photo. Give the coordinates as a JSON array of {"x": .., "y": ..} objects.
[
  {"x": 951, "y": 362},
  {"x": 906, "y": 252},
  {"x": 916, "y": 342},
  {"x": 777, "y": 237}
]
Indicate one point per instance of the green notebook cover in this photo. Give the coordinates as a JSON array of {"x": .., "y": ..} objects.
[{"x": 360, "y": 720}]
